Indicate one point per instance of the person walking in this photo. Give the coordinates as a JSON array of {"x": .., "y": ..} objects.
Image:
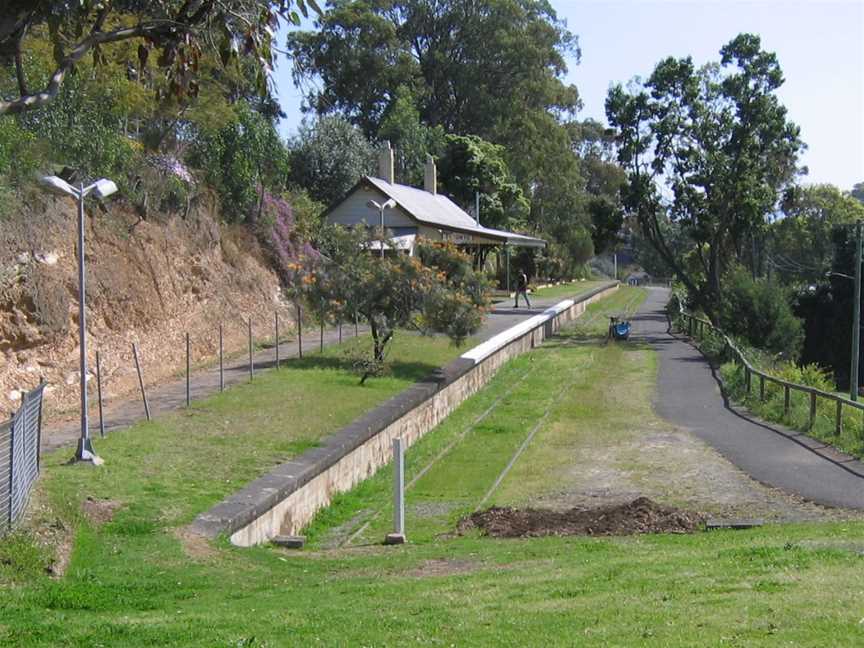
[{"x": 522, "y": 288}]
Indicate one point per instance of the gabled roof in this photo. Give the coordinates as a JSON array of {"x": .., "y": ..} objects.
[{"x": 441, "y": 212}]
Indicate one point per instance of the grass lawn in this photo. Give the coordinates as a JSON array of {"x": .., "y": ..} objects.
[
  {"x": 136, "y": 580},
  {"x": 566, "y": 291}
]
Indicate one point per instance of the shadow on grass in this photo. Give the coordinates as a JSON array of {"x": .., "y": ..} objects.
[{"x": 409, "y": 371}]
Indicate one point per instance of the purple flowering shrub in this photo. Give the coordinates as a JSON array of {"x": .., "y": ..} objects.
[{"x": 277, "y": 231}]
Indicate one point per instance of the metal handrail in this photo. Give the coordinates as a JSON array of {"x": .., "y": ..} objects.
[{"x": 738, "y": 356}]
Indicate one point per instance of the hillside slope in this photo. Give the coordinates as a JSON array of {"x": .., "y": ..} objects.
[{"x": 149, "y": 281}]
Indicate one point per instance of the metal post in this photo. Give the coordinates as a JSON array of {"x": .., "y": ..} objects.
[
  {"x": 382, "y": 231},
  {"x": 747, "y": 377},
  {"x": 507, "y": 254},
  {"x": 615, "y": 263},
  {"x": 85, "y": 451},
  {"x": 141, "y": 380},
  {"x": 761, "y": 388},
  {"x": 277, "y": 340},
  {"x": 221, "y": 361},
  {"x": 786, "y": 400},
  {"x": 321, "y": 344},
  {"x": 251, "y": 364},
  {"x": 340, "y": 331},
  {"x": 99, "y": 394},
  {"x": 856, "y": 317},
  {"x": 188, "y": 372},
  {"x": 299, "y": 332},
  {"x": 398, "y": 535},
  {"x": 356, "y": 330}
]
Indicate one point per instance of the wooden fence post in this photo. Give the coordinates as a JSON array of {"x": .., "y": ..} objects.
[
  {"x": 188, "y": 372},
  {"x": 221, "y": 360},
  {"x": 141, "y": 380},
  {"x": 299, "y": 332},
  {"x": 251, "y": 363},
  {"x": 838, "y": 427},
  {"x": 786, "y": 400},
  {"x": 99, "y": 394},
  {"x": 277, "y": 340},
  {"x": 761, "y": 387},
  {"x": 812, "y": 409}
]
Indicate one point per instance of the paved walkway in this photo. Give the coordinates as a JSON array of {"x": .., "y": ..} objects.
[
  {"x": 170, "y": 396},
  {"x": 688, "y": 395}
]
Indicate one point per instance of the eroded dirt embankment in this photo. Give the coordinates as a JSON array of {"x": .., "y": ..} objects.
[{"x": 148, "y": 281}]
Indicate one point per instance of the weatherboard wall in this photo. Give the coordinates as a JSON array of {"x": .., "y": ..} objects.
[{"x": 284, "y": 501}]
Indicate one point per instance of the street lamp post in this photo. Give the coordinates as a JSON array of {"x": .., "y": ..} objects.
[
  {"x": 856, "y": 317},
  {"x": 101, "y": 188},
  {"x": 390, "y": 204}
]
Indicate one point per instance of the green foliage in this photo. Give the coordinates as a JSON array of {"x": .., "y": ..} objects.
[
  {"x": 328, "y": 157},
  {"x": 709, "y": 149},
  {"x": 471, "y": 66},
  {"x": 759, "y": 312},
  {"x": 604, "y": 180},
  {"x": 307, "y": 214},
  {"x": 800, "y": 246},
  {"x": 241, "y": 160},
  {"x": 468, "y": 165},
  {"x": 440, "y": 294},
  {"x": 412, "y": 140},
  {"x": 161, "y": 42}
]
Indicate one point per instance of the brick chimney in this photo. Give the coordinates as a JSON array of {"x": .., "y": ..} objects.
[
  {"x": 430, "y": 177},
  {"x": 385, "y": 163}
]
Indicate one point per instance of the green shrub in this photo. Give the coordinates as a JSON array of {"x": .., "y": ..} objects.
[{"x": 759, "y": 312}]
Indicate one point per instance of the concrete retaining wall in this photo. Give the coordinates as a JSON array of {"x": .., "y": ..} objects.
[{"x": 286, "y": 499}]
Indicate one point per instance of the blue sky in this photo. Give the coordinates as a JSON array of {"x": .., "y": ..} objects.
[{"x": 820, "y": 46}]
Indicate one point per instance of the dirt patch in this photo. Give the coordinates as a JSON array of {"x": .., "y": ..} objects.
[
  {"x": 442, "y": 567},
  {"x": 100, "y": 511},
  {"x": 63, "y": 544},
  {"x": 642, "y": 515},
  {"x": 195, "y": 546}
]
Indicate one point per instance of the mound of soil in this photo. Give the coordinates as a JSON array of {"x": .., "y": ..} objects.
[{"x": 642, "y": 515}]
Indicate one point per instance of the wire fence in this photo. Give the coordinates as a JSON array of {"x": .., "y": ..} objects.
[
  {"x": 257, "y": 336},
  {"x": 19, "y": 458}
]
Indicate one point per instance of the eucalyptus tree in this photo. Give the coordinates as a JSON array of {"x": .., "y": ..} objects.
[
  {"x": 170, "y": 35},
  {"x": 710, "y": 150}
]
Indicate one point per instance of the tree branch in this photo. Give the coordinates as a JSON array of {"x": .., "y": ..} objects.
[{"x": 29, "y": 101}]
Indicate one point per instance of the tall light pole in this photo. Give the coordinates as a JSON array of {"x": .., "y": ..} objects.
[
  {"x": 856, "y": 317},
  {"x": 101, "y": 188},
  {"x": 390, "y": 204}
]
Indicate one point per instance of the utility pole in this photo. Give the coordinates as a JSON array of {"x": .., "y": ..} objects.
[{"x": 856, "y": 317}]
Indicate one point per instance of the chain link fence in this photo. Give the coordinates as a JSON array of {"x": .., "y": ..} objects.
[{"x": 19, "y": 457}]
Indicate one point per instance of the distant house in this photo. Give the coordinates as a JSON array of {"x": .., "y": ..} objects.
[
  {"x": 417, "y": 213},
  {"x": 640, "y": 278}
]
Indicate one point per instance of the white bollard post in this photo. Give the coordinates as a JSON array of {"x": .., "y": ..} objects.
[{"x": 398, "y": 535}]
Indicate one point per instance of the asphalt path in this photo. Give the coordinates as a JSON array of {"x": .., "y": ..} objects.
[{"x": 689, "y": 395}]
